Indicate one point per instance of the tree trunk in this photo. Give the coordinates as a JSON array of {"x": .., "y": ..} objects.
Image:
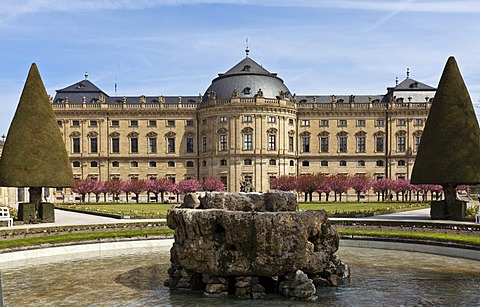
[
  {"x": 36, "y": 198},
  {"x": 450, "y": 192}
]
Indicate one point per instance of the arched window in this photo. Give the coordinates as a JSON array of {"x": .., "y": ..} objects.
[
  {"x": 190, "y": 164},
  {"x": 171, "y": 163},
  {"x": 247, "y": 162},
  {"x": 94, "y": 164},
  {"x": 76, "y": 164},
  {"x": 115, "y": 164},
  {"x": 292, "y": 163},
  {"x": 379, "y": 163},
  {"x": 152, "y": 163},
  {"x": 134, "y": 164},
  {"x": 324, "y": 163},
  {"x": 272, "y": 162},
  {"x": 342, "y": 163},
  {"x": 361, "y": 163},
  {"x": 401, "y": 163},
  {"x": 223, "y": 162}
]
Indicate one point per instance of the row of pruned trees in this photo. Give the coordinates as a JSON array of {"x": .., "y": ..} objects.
[
  {"x": 386, "y": 189},
  {"x": 156, "y": 187}
]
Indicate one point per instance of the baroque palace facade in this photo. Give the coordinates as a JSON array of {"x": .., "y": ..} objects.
[{"x": 247, "y": 126}]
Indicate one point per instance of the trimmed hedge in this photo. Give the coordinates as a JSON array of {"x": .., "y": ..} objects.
[
  {"x": 47, "y": 212},
  {"x": 26, "y": 212}
]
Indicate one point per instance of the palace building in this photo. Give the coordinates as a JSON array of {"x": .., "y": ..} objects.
[{"x": 247, "y": 126}]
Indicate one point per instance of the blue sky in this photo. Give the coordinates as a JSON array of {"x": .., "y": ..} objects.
[{"x": 176, "y": 47}]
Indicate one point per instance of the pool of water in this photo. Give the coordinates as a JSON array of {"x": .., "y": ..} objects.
[{"x": 378, "y": 278}]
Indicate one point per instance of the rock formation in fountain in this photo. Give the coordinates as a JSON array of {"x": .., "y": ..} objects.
[{"x": 252, "y": 244}]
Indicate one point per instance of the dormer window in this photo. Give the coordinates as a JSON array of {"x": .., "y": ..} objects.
[
  {"x": 247, "y": 91},
  {"x": 246, "y": 68}
]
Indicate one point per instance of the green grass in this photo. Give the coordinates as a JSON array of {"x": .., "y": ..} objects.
[
  {"x": 352, "y": 208},
  {"x": 134, "y": 210},
  {"x": 435, "y": 236},
  {"x": 83, "y": 236},
  {"x": 155, "y": 210}
]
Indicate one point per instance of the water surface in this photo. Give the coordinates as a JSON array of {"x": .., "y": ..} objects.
[{"x": 379, "y": 277}]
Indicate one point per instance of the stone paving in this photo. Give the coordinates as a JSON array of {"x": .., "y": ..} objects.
[{"x": 68, "y": 218}]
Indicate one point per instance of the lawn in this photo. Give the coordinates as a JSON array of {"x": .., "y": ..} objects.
[
  {"x": 367, "y": 208},
  {"x": 154, "y": 210},
  {"x": 133, "y": 210}
]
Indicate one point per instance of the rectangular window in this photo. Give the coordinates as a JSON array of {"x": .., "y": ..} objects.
[
  {"x": 134, "y": 145},
  {"x": 401, "y": 143},
  {"x": 305, "y": 122},
  {"x": 324, "y": 123},
  {"x": 305, "y": 144},
  {"x": 170, "y": 123},
  {"x": 401, "y": 122},
  {"x": 152, "y": 123},
  {"x": 204, "y": 144},
  {"x": 134, "y": 123},
  {"x": 76, "y": 145},
  {"x": 342, "y": 122},
  {"x": 59, "y": 123},
  {"x": 152, "y": 145},
  {"x": 379, "y": 123},
  {"x": 189, "y": 123},
  {"x": 75, "y": 123},
  {"x": 223, "y": 142},
  {"x": 93, "y": 145},
  {"x": 204, "y": 122},
  {"x": 417, "y": 142},
  {"x": 290, "y": 122},
  {"x": 418, "y": 122},
  {"x": 272, "y": 142},
  {"x": 271, "y": 119},
  {"x": 324, "y": 144},
  {"x": 115, "y": 145},
  {"x": 361, "y": 144},
  {"x": 360, "y": 123},
  {"x": 93, "y": 123},
  {"x": 224, "y": 180},
  {"x": 223, "y": 119},
  {"x": 115, "y": 123},
  {"x": 290, "y": 143},
  {"x": 170, "y": 145},
  {"x": 342, "y": 143},
  {"x": 247, "y": 141},
  {"x": 379, "y": 143},
  {"x": 247, "y": 118},
  {"x": 190, "y": 148}
]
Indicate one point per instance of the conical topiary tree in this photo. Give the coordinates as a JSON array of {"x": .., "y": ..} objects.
[
  {"x": 448, "y": 154},
  {"x": 34, "y": 154}
]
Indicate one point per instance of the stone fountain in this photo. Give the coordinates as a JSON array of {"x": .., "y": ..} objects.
[{"x": 251, "y": 244}]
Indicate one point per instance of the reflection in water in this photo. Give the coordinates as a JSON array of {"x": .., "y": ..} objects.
[{"x": 379, "y": 277}]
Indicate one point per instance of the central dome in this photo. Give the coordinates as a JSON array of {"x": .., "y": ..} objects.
[{"x": 247, "y": 78}]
